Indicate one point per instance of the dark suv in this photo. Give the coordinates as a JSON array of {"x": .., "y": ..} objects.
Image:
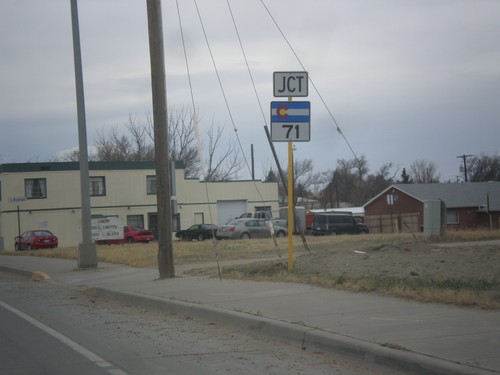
[{"x": 332, "y": 224}]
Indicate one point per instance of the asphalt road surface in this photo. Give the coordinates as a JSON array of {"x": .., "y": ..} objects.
[{"x": 49, "y": 329}]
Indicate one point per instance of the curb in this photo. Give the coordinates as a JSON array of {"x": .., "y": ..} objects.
[
  {"x": 34, "y": 275},
  {"x": 307, "y": 338},
  {"x": 16, "y": 271}
]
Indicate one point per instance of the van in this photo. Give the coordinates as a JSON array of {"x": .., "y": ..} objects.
[
  {"x": 335, "y": 223},
  {"x": 266, "y": 215}
]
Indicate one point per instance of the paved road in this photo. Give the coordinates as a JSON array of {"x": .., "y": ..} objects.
[
  {"x": 412, "y": 337},
  {"x": 29, "y": 347},
  {"x": 89, "y": 335}
]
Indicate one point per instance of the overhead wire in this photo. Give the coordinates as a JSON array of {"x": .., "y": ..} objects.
[
  {"x": 216, "y": 71},
  {"x": 195, "y": 125},
  {"x": 310, "y": 80},
  {"x": 194, "y": 115},
  {"x": 223, "y": 91},
  {"x": 194, "y": 121},
  {"x": 227, "y": 104},
  {"x": 278, "y": 250},
  {"x": 264, "y": 118}
]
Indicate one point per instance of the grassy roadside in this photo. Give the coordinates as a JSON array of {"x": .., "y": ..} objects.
[
  {"x": 337, "y": 262},
  {"x": 467, "y": 293},
  {"x": 146, "y": 255},
  {"x": 473, "y": 288}
]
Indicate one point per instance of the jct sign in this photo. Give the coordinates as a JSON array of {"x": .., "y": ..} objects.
[{"x": 290, "y": 84}]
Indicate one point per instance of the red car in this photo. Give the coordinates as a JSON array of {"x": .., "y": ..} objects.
[
  {"x": 137, "y": 234},
  {"x": 36, "y": 239}
]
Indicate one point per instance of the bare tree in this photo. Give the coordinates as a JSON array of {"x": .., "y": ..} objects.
[
  {"x": 377, "y": 182},
  {"x": 424, "y": 172},
  {"x": 183, "y": 144},
  {"x": 141, "y": 149},
  {"x": 74, "y": 155},
  {"x": 115, "y": 147},
  {"x": 304, "y": 179},
  {"x": 222, "y": 164},
  {"x": 348, "y": 181},
  {"x": 351, "y": 182},
  {"x": 484, "y": 168}
]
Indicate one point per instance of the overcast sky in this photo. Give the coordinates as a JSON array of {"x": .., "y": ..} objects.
[{"x": 405, "y": 80}]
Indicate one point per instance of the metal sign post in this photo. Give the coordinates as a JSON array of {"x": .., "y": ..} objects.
[{"x": 290, "y": 206}]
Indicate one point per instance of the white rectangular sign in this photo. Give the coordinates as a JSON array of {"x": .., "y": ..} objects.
[
  {"x": 290, "y": 121},
  {"x": 107, "y": 228},
  {"x": 17, "y": 199},
  {"x": 290, "y": 84},
  {"x": 290, "y": 132}
]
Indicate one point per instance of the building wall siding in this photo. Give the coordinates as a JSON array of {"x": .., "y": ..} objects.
[
  {"x": 378, "y": 213},
  {"x": 126, "y": 194}
]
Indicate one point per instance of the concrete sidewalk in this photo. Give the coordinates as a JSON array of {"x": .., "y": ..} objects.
[{"x": 409, "y": 336}]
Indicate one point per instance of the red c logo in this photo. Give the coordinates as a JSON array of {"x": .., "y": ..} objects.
[{"x": 281, "y": 111}]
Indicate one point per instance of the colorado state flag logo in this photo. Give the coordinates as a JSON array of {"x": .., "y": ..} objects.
[{"x": 290, "y": 111}]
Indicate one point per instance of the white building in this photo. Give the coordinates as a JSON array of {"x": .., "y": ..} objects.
[{"x": 47, "y": 195}]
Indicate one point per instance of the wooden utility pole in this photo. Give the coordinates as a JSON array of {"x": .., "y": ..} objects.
[
  {"x": 464, "y": 158},
  {"x": 159, "y": 92}
]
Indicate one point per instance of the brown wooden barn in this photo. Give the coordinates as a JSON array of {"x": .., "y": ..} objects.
[{"x": 400, "y": 207}]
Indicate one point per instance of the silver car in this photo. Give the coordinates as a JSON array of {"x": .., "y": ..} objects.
[{"x": 249, "y": 228}]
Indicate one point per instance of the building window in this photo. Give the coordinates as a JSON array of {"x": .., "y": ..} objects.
[
  {"x": 135, "y": 220},
  {"x": 452, "y": 217},
  {"x": 97, "y": 186},
  {"x": 263, "y": 212},
  {"x": 151, "y": 184},
  {"x": 35, "y": 188}
]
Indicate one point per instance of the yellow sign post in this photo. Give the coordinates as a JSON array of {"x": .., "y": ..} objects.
[
  {"x": 290, "y": 122},
  {"x": 290, "y": 206}
]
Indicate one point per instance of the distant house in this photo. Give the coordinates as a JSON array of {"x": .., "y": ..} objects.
[{"x": 400, "y": 207}]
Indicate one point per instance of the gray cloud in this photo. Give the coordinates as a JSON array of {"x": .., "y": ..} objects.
[{"x": 405, "y": 80}]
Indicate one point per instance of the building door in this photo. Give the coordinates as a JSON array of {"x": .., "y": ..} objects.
[
  {"x": 199, "y": 218},
  {"x": 153, "y": 223},
  {"x": 228, "y": 210}
]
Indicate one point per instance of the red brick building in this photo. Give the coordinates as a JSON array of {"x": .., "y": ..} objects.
[{"x": 400, "y": 207}]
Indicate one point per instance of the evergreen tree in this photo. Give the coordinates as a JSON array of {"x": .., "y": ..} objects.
[{"x": 405, "y": 177}]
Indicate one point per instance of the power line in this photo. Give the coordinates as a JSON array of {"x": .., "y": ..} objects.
[
  {"x": 194, "y": 121},
  {"x": 310, "y": 80},
  {"x": 220, "y": 82}
]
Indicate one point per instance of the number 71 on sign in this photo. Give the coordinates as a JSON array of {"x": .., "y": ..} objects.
[{"x": 290, "y": 121}]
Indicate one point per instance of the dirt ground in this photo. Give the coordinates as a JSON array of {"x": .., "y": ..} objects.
[{"x": 406, "y": 258}]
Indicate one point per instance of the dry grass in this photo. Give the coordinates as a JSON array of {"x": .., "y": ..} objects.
[
  {"x": 475, "y": 292},
  {"x": 146, "y": 255},
  {"x": 471, "y": 293}
]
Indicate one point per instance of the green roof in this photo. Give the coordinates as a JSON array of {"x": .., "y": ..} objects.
[{"x": 75, "y": 166}]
